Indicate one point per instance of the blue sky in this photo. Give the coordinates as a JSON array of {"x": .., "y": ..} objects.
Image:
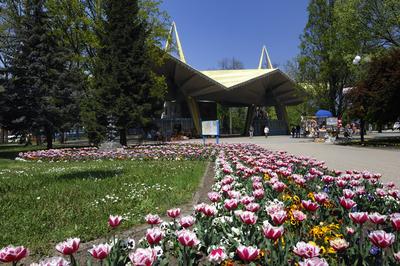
[{"x": 214, "y": 29}]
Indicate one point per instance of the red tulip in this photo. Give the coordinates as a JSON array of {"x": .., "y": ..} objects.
[
  {"x": 381, "y": 239},
  {"x": 209, "y": 210},
  {"x": 187, "y": 238},
  {"x": 395, "y": 220},
  {"x": 231, "y": 204},
  {"x": 13, "y": 254},
  {"x": 347, "y": 203},
  {"x": 247, "y": 253},
  {"x": 153, "y": 219},
  {"x": 214, "y": 196},
  {"x": 114, "y": 221},
  {"x": 187, "y": 221},
  {"x": 248, "y": 217},
  {"x": 253, "y": 207},
  {"x": 309, "y": 205},
  {"x": 348, "y": 194},
  {"x": 279, "y": 217},
  {"x": 321, "y": 197},
  {"x": 217, "y": 256},
  {"x": 69, "y": 246},
  {"x": 377, "y": 218},
  {"x": 100, "y": 251}
]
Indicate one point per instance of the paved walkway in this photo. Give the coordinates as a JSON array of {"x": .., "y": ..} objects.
[{"x": 384, "y": 161}]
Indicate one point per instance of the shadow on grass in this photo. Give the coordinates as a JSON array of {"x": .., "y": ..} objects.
[{"x": 90, "y": 174}]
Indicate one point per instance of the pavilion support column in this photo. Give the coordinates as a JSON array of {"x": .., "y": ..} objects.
[
  {"x": 195, "y": 113},
  {"x": 281, "y": 114},
  {"x": 249, "y": 119}
]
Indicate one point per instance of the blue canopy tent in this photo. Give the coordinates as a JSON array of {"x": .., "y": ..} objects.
[{"x": 323, "y": 113}]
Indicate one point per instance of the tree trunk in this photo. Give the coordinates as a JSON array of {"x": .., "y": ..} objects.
[
  {"x": 122, "y": 137},
  {"x": 362, "y": 125},
  {"x": 49, "y": 138},
  {"x": 379, "y": 128},
  {"x": 38, "y": 140},
  {"x": 62, "y": 137}
]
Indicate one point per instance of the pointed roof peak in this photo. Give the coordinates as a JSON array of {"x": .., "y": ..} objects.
[
  {"x": 177, "y": 41},
  {"x": 264, "y": 51}
]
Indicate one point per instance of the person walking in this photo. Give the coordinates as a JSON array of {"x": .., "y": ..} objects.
[
  {"x": 297, "y": 131},
  {"x": 293, "y": 131},
  {"x": 251, "y": 131},
  {"x": 266, "y": 131}
]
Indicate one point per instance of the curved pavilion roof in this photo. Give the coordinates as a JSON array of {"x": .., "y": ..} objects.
[{"x": 261, "y": 87}]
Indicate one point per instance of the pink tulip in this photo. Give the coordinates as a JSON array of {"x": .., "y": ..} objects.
[
  {"x": 341, "y": 183},
  {"x": 13, "y": 254},
  {"x": 174, "y": 213},
  {"x": 248, "y": 217},
  {"x": 339, "y": 244},
  {"x": 187, "y": 238},
  {"x": 258, "y": 193},
  {"x": 114, "y": 221},
  {"x": 359, "y": 217},
  {"x": 381, "y": 239},
  {"x": 153, "y": 219},
  {"x": 272, "y": 232},
  {"x": 395, "y": 220},
  {"x": 199, "y": 207},
  {"x": 143, "y": 257},
  {"x": 397, "y": 256},
  {"x": 314, "y": 262},
  {"x": 347, "y": 203},
  {"x": 279, "y": 217},
  {"x": 246, "y": 200},
  {"x": 377, "y": 218},
  {"x": 350, "y": 230},
  {"x": 253, "y": 207},
  {"x": 306, "y": 250},
  {"x": 154, "y": 235},
  {"x": 348, "y": 194},
  {"x": 299, "y": 215},
  {"x": 279, "y": 186},
  {"x": 247, "y": 253},
  {"x": 309, "y": 205},
  {"x": 209, "y": 210},
  {"x": 53, "y": 261},
  {"x": 187, "y": 221},
  {"x": 68, "y": 247},
  {"x": 214, "y": 196},
  {"x": 217, "y": 256},
  {"x": 234, "y": 194},
  {"x": 321, "y": 197},
  {"x": 100, "y": 251},
  {"x": 231, "y": 204}
]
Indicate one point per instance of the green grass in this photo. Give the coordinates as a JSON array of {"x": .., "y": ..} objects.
[{"x": 44, "y": 203}]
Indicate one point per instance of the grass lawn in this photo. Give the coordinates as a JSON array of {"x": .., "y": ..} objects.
[{"x": 44, "y": 203}]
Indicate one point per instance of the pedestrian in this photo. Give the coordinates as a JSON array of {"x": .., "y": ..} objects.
[
  {"x": 293, "y": 131},
  {"x": 251, "y": 131},
  {"x": 297, "y": 131},
  {"x": 266, "y": 131}
]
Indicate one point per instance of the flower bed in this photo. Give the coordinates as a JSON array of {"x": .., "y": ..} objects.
[
  {"x": 271, "y": 208},
  {"x": 138, "y": 152}
]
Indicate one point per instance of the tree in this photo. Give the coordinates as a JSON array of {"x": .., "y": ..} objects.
[
  {"x": 42, "y": 91},
  {"x": 125, "y": 86},
  {"x": 230, "y": 63}
]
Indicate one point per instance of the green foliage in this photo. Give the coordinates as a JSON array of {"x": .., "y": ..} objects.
[{"x": 46, "y": 202}]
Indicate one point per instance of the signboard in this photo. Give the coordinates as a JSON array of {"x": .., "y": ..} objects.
[
  {"x": 210, "y": 128},
  {"x": 331, "y": 121}
]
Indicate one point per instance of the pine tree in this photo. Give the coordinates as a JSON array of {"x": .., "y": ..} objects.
[
  {"x": 125, "y": 85},
  {"x": 43, "y": 90}
]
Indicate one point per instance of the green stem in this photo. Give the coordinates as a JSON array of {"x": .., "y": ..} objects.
[{"x": 73, "y": 261}]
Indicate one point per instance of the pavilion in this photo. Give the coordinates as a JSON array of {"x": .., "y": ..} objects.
[{"x": 193, "y": 93}]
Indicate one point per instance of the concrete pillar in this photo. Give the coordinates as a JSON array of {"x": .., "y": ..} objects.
[
  {"x": 249, "y": 119},
  {"x": 281, "y": 114}
]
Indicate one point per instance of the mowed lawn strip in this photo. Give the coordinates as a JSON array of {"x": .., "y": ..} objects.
[{"x": 44, "y": 203}]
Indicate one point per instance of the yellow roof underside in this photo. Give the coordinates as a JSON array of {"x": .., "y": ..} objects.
[{"x": 230, "y": 78}]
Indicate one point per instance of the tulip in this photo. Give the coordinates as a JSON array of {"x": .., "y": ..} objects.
[
  {"x": 246, "y": 200},
  {"x": 272, "y": 232},
  {"x": 358, "y": 217},
  {"x": 174, "y": 213},
  {"x": 231, "y": 204},
  {"x": 187, "y": 238},
  {"x": 217, "y": 256},
  {"x": 247, "y": 253},
  {"x": 397, "y": 256},
  {"x": 395, "y": 220},
  {"x": 309, "y": 205},
  {"x": 68, "y": 247},
  {"x": 258, "y": 193},
  {"x": 279, "y": 217},
  {"x": 209, "y": 210},
  {"x": 114, "y": 221},
  {"x": 253, "y": 207},
  {"x": 100, "y": 252},
  {"x": 199, "y": 207},
  {"x": 321, "y": 197},
  {"x": 347, "y": 203},
  {"x": 53, "y": 261},
  {"x": 381, "y": 239},
  {"x": 153, "y": 219},
  {"x": 299, "y": 215},
  {"x": 143, "y": 257},
  {"x": 377, "y": 218},
  {"x": 279, "y": 186},
  {"x": 248, "y": 217},
  {"x": 187, "y": 221},
  {"x": 339, "y": 244},
  {"x": 348, "y": 194},
  {"x": 214, "y": 196},
  {"x": 314, "y": 262},
  {"x": 154, "y": 235},
  {"x": 350, "y": 230},
  {"x": 13, "y": 254},
  {"x": 234, "y": 194},
  {"x": 306, "y": 250}
]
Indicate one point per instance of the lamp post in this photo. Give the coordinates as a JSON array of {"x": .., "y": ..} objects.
[{"x": 356, "y": 61}]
